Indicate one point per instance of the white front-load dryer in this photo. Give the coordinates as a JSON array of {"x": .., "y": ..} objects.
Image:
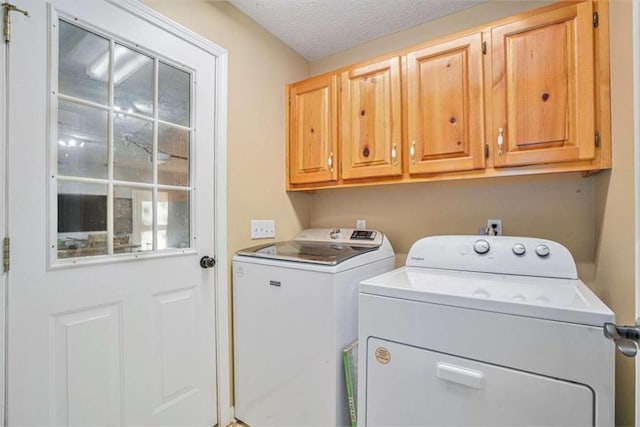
[
  {"x": 484, "y": 331},
  {"x": 295, "y": 307}
]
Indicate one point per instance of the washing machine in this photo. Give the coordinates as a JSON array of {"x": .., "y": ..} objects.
[
  {"x": 295, "y": 307},
  {"x": 484, "y": 331}
]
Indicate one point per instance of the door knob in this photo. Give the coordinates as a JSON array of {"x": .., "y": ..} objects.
[
  {"x": 627, "y": 338},
  {"x": 207, "y": 262}
]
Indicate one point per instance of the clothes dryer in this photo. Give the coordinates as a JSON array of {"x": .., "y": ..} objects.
[{"x": 484, "y": 331}]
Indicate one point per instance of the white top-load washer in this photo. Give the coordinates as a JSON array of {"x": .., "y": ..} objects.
[
  {"x": 295, "y": 308},
  {"x": 484, "y": 331}
]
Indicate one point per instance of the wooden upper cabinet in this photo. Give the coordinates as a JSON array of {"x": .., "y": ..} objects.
[
  {"x": 445, "y": 107},
  {"x": 313, "y": 131},
  {"x": 543, "y": 88},
  {"x": 371, "y": 124}
]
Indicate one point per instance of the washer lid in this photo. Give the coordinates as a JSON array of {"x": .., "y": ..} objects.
[
  {"x": 566, "y": 300},
  {"x": 309, "y": 252}
]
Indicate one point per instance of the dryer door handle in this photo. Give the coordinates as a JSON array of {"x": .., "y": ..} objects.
[{"x": 458, "y": 374}]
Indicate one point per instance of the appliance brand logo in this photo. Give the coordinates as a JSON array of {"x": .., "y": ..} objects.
[
  {"x": 417, "y": 258},
  {"x": 382, "y": 355}
]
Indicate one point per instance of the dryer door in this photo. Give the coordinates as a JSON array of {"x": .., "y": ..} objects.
[{"x": 413, "y": 386}]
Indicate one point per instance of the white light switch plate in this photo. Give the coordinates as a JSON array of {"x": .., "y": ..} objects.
[{"x": 263, "y": 229}]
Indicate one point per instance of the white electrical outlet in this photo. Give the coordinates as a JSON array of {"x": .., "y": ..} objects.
[
  {"x": 263, "y": 229},
  {"x": 494, "y": 227},
  {"x": 361, "y": 224}
]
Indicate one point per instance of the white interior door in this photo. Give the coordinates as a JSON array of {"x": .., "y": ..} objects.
[{"x": 110, "y": 208}]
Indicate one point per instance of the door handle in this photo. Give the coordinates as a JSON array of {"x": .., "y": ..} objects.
[
  {"x": 626, "y": 338},
  {"x": 207, "y": 262}
]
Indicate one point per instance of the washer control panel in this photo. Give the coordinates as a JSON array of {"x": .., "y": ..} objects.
[
  {"x": 494, "y": 254},
  {"x": 339, "y": 235}
]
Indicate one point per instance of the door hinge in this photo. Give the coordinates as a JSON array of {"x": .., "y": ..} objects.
[
  {"x": 486, "y": 151},
  {"x": 596, "y": 19},
  {"x": 597, "y": 139},
  {"x": 484, "y": 47},
  {"x": 6, "y": 247},
  {"x": 8, "y": 8}
]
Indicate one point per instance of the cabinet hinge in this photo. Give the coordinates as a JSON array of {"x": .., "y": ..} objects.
[
  {"x": 486, "y": 151},
  {"x": 6, "y": 246},
  {"x": 597, "y": 139},
  {"x": 484, "y": 47},
  {"x": 596, "y": 19}
]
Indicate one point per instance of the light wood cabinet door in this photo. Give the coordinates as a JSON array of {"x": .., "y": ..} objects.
[
  {"x": 371, "y": 120},
  {"x": 445, "y": 107},
  {"x": 313, "y": 131},
  {"x": 543, "y": 88}
]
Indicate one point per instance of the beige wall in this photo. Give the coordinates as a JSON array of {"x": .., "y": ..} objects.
[
  {"x": 614, "y": 201},
  {"x": 260, "y": 66}
]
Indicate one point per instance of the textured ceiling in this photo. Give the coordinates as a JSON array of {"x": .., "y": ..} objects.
[{"x": 319, "y": 28}]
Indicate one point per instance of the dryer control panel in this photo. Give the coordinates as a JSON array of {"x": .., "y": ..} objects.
[{"x": 525, "y": 256}]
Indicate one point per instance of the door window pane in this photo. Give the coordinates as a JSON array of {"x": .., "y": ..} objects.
[
  {"x": 123, "y": 167},
  {"x": 174, "y": 95},
  {"x": 82, "y": 219},
  {"x": 132, "y": 149},
  {"x": 173, "y": 155},
  {"x": 83, "y": 64},
  {"x": 173, "y": 219},
  {"x": 133, "y": 81},
  {"x": 133, "y": 219},
  {"x": 82, "y": 140}
]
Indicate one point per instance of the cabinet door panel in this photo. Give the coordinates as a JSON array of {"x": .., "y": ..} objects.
[
  {"x": 313, "y": 131},
  {"x": 445, "y": 111},
  {"x": 371, "y": 123},
  {"x": 544, "y": 88}
]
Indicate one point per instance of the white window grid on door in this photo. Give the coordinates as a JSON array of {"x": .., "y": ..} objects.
[{"x": 110, "y": 182}]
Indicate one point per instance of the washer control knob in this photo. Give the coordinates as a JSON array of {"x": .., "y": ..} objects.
[
  {"x": 481, "y": 246},
  {"x": 519, "y": 249},
  {"x": 542, "y": 251},
  {"x": 335, "y": 233}
]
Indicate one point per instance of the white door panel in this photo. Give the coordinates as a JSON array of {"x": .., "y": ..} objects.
[{"x": 128, "y": 339}]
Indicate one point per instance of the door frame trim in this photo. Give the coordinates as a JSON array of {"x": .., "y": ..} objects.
[
  {"x": 4, "y": 188},
  {"x": 223, "y": 351}
]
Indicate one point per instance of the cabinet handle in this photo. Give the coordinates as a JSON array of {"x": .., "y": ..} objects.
[
  {"x": 500, "y": 141},
  {"x": 412, "y": 152},
  {"x": 330, "y": 162},
  {"x": 394, "y": 155}
]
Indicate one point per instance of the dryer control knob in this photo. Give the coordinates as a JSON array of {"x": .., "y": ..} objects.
[
  {"x": 519, "y": 249},
  {"x": 542, "y": 251},
  {"x": 481, "y": 246}
]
